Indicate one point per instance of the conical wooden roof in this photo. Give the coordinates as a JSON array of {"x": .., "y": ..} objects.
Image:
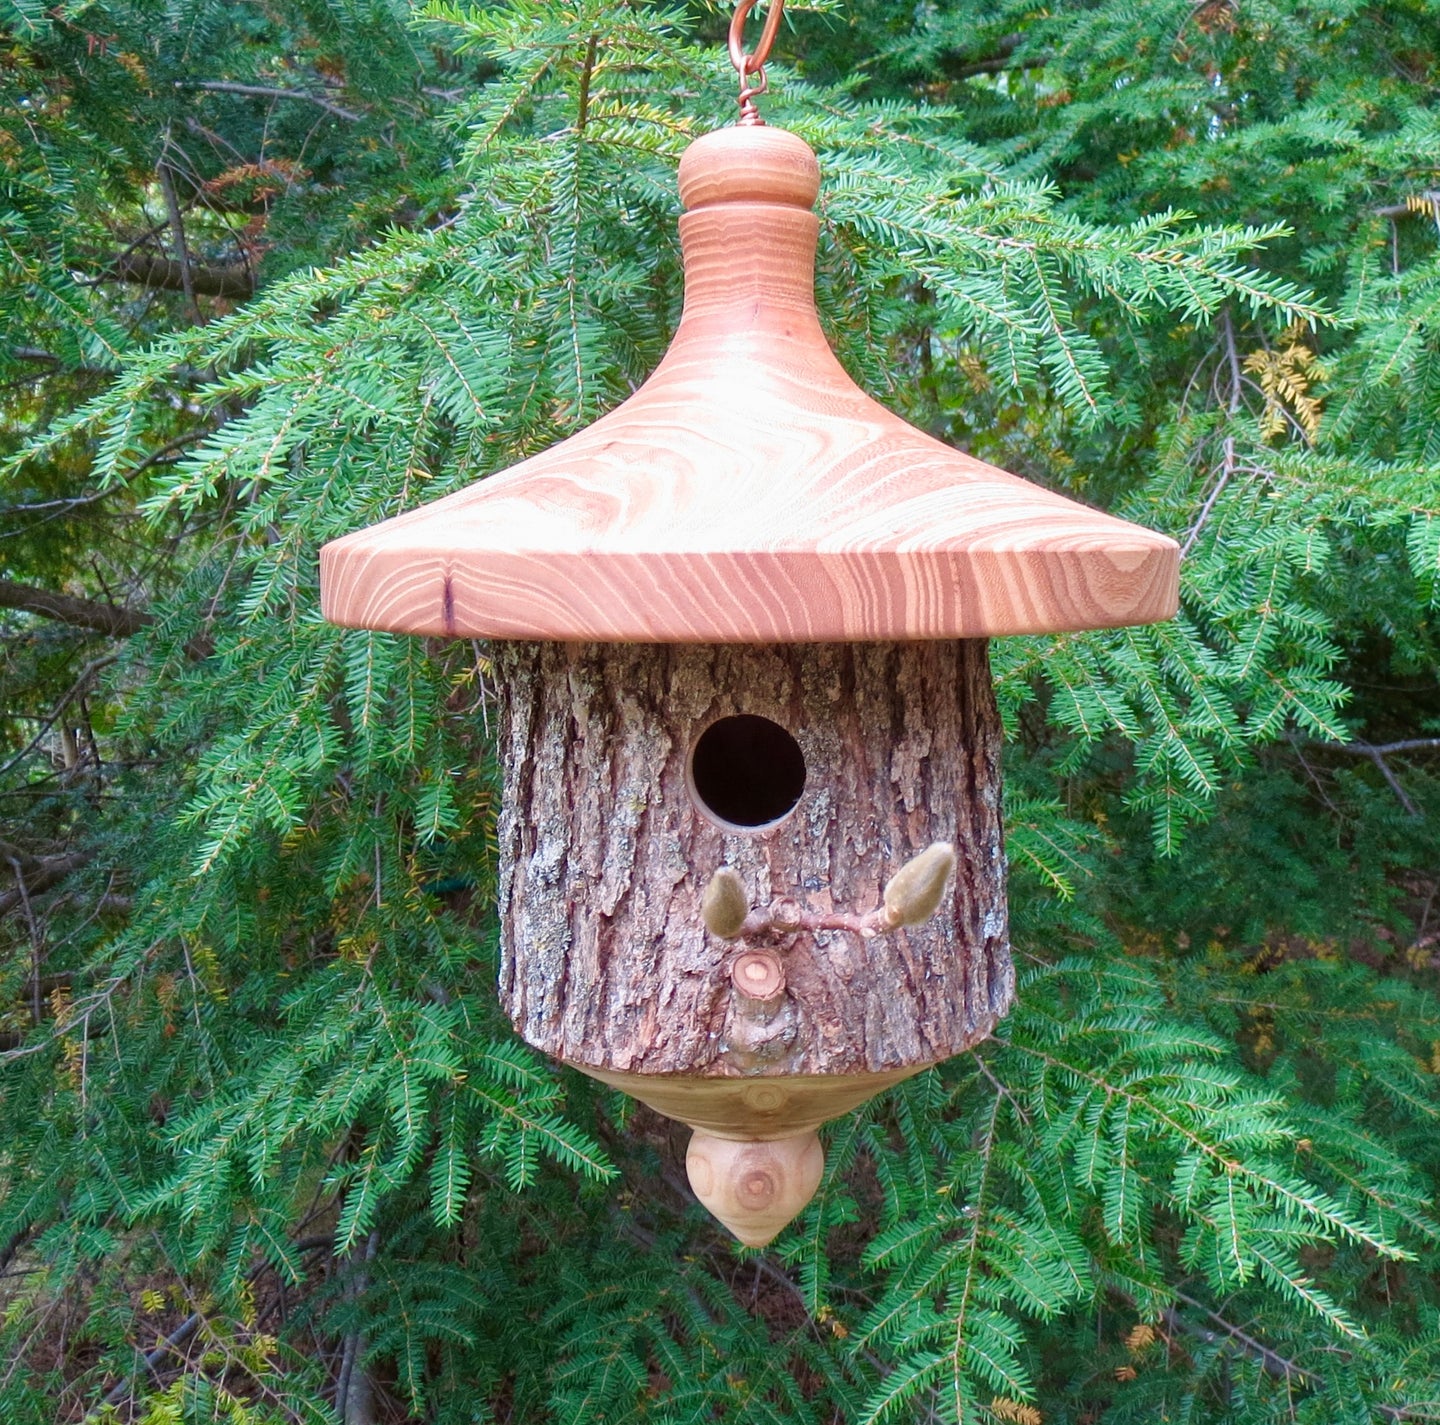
[{"x": 749, "y": 491}]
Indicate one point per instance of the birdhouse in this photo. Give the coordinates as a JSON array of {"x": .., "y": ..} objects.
[{"x": 751, "y": 860}]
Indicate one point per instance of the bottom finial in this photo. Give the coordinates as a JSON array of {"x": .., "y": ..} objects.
[{"x": 755, "y": 1189}]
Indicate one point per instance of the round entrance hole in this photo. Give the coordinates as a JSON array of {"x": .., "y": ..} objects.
[{"x": 747, "y": 772}]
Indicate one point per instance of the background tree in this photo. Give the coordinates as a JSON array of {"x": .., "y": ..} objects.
[{"x": 276, "y": 270}]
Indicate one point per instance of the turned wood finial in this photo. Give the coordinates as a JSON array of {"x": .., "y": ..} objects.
[
  {"x": 749, "y": 165},
  {"x": 755, "y": 1189}
]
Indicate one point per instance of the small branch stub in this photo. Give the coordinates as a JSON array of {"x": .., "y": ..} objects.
[
  {"x": 914, "y": 892},
  {"x": 758, "y": 975},
  {"x": 725, "y": 905}
]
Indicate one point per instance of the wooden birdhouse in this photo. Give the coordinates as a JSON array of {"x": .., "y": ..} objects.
[{"x": 752, "y": 866}]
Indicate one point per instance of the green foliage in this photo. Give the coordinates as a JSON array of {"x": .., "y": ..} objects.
[{"x": 258, "y": 1098}]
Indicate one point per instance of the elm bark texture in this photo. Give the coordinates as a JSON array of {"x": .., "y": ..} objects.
[{"x": 605, "y": 855}]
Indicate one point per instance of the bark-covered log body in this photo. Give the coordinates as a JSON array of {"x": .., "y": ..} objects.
[{"x": 606, "y": 854}]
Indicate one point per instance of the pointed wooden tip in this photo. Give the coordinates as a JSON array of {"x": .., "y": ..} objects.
[{"x": 755, "y": 1189}]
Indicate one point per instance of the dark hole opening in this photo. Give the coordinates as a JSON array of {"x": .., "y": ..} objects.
[{"x": 747, "y": 771}]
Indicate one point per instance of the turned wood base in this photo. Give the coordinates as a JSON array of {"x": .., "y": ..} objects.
[
  {"x": 753, "y": 1110},
  {"x": 754, "y": 1159}
]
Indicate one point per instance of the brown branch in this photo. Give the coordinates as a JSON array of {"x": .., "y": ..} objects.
[
  {"x": 150, "y": 269},
  {"x": 1233, "y": 355},
  {"x": 38, "y": 365},
  {"x": 177, "y": 233},
  {"x": 151, "y": 1361},
  {"x": 37, "y": 506},
  {"x": 1408, "y": 210},
  {"x": 36, "y": 953},
  {"x": 76, "y": 689},
  {"x": 266, "y": 91},
  {"x": 1394, "y": 784},
  {"x": 1272, "y": 1361},
  {"x": 39, "y": 355},
  {"x": 354, "y": 1392},
  {"x": 1377, "y": 753},
  {"x": 587, "y": 72},
  {"x": 1369, "y": 749},
  {"x": 118, "y": 621},
  {"x": 957, "y": 66},
  {"x": 998, "y": 66},
  {"x": 40, "y": 877},
  {"x": 1227, "y": 469},
  {"x": 160, "y": 456}
]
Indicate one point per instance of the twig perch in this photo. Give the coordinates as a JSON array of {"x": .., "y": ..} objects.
[{"x": 912, "y": 896}]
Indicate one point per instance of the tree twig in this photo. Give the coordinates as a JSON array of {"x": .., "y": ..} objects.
[
  {"x": 998, "y": 65},
  {"x": 587, "y": 72},
  {"x": 267, "y": 91},
  {"x": 177, "y": 229},
  {"x": 1377, "y": 752},
  {"x": 957, "y": 66},
  {"x": 69, "y": 504},
  {"x": 353, "y": 1396},
  {"x": 41, "y": 356},
  {"x": 1394, "y": 783},
  {"x": 1273, "y": 1362},
  {"x": 24, "y": 894},
  {"x": 149, "y": 269},
  {"x": 1385, "y": 749},
  {"x": 177, "y": 1338},
  {"x": 42, "y": 875},
  {"x": 76, "y": 688},
  {"x": 1407, "y": 210},
  {"x": 1227, "y": 469},
  {"x": 1232, "y": 354}
]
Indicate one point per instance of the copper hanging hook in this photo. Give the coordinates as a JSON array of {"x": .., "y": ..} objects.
[{"x": 751, "y": 67}]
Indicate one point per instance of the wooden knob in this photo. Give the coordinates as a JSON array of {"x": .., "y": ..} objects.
[
  {"x": 755, "y": 1189},
  {"x": 749, "y": 165}
]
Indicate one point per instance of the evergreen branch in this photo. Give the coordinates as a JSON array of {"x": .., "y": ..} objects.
[{"x": 1307, "y": 1203}]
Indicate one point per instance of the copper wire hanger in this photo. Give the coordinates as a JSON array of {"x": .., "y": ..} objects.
[{"x": 751, "y": 66}]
